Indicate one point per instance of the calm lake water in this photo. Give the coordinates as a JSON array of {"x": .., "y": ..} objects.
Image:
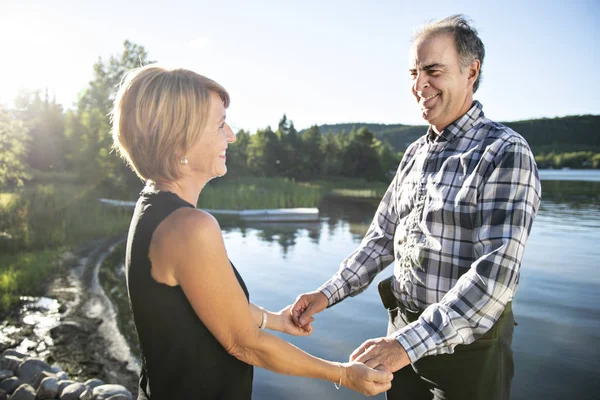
[{"x": 557, "y": 306}]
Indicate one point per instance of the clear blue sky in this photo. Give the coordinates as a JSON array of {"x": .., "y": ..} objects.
[{"x": 317, "y": 61}]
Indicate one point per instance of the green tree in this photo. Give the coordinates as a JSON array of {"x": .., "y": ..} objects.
[
  {"x": 237, "y": 155},
  {"x": 13, "y": 151},
  {"x": 44, "y": 120},
  {"x": 333, "y": 147},
  {"x": 360, "y": 156},
  {"x": 387, "y": 158},
  {"x": 263, "y": 153},
  {"x": 88, "y": 128},
  {"x": 290, "y": 150},
  {"x": 313, "y": 155}
]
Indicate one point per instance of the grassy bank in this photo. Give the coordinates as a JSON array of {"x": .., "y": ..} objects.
[
  {"x": 38, "y": 224},
  {"x": 258, "y": 193},
  {"x": 26, "y": 273},
  {"x": 55, "y": 213},
  {"x": 51, "y": 215},
  {"x": 262, "y": 193}
]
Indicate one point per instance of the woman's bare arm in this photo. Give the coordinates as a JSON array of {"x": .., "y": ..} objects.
[{"x": 198, "y": 263}]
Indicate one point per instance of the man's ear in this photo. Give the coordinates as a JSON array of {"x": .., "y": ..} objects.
[{"x": 473, "y": 70}]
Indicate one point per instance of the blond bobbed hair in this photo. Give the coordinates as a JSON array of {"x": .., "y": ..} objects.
[{"x": 158, "y": 115}]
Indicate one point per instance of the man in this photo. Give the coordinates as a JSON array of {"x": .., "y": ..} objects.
[{"x": 455, "y": 221}]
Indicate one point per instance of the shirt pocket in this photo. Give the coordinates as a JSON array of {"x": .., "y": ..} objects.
[{"x": 451, "y": 201}]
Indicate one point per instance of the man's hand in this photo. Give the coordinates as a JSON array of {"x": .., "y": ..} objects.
[
  {"x": 306, "y": 306},
  {"x": 385, "y": 351},
  {"x": 284, "y": 323}
]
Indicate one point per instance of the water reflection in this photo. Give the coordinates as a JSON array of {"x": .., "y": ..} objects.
[
  {"x": 30, "y": 334},
  {"x": 575, "y": 194},
  {"x": 557, "y": 305},
  {"x": 562, "y": 201},
  {"x": 336, "y": 213}
]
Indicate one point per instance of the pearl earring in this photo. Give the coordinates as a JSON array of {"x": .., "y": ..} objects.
[{"x": 184, "y": 161}]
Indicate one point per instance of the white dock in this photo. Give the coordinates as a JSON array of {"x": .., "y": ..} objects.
[
  {"x": 279, "y": 214},
  {"x": 275, "y": 215}
]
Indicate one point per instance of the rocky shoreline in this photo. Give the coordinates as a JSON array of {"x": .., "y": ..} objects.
[
  {"x": 25, "y": 378},
  {"x": 72, "y": 333}
]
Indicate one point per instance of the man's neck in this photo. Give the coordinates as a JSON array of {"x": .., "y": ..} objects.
[{"x": 438, "y": 129}]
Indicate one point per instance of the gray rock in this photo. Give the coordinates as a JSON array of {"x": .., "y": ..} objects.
[
  {"x": 13, "y": 352},
  {"x": 11, "y": 384},
  {"x": 30, "y": 368},
  {"x": 24, "y": 392},
  {"x": 92, "y": 383},
  {"x": 40, "y": 376},
  {"x": 56, "y": 369},
  {"x": 48, "y": 389},
  {"x": 119, "y": 397},
  {"x": 105, "y": 392},
  {"x": 73, "y": 391},
  {"x": 62, "y": 376},
  {"x": 10, "y": 362},
  {"x": 63, "y": 384},
  {"x": 6, "y": 373},
  {"x": 86, "y": 395}
]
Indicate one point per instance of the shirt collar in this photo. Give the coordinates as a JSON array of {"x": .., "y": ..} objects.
[{"x": 460, "y": 126}]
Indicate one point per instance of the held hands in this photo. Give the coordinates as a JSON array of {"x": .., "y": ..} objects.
[
  {"x": 306, "y": 306},
  {"x": 368, "y": 371},
  {"x": 384, "y": 352},
  {"x": 285, "y": 324},
  {"x": 368, "y": 381}
]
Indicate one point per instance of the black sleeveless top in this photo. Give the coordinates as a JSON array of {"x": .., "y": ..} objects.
[{"x": 181, "y": 359}]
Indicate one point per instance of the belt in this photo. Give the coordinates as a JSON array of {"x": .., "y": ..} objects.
[{"x": 391, "y": 303}]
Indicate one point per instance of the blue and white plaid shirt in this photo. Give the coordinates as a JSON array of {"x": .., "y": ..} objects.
[{"x": 455, "y": 220}]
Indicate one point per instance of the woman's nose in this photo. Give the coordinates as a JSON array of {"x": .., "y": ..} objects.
[{"x": 230, "y": 135}]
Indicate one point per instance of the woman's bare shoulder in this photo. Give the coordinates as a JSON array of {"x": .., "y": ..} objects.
[
  {"x": 186, "y": 239},
  {"x": 190, "y": 227}
]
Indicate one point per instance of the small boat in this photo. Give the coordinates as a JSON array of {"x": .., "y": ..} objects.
[
  {"x": 279, "y": 214},
  {"x": 117, "y": 203},
  {"x": 275, "y": 215}
]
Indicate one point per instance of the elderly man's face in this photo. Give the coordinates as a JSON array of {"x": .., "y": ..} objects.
[{"x": 444, "y": 91}]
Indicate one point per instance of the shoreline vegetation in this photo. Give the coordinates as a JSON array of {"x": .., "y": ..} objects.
[{"x": 55, "y": 214}]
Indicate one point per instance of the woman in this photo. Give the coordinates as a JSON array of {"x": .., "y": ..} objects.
[{"x": 199, "y": 334}]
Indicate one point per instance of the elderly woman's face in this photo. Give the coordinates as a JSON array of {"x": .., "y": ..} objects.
[{"x": 208, "y": 156}]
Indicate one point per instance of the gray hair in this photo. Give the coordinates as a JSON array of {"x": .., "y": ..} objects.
[{"x": 468, "y": 45}]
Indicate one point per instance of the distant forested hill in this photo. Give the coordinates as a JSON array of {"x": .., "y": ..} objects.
[{"x": 562, "y": 134}]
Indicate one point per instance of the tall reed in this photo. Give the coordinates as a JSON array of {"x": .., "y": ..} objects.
[
  {"x": 51, "y": 215},
  {"x": 259, "y": 193},
  {"x": 38, "y": 224}
]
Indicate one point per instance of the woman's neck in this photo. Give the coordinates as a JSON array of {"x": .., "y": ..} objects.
[{"x": 188, "y": 189}]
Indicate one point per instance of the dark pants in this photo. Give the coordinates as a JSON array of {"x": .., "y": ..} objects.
[{"x": 481, "y": 370}]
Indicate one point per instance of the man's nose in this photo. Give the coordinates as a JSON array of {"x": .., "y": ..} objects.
[{"x": 420, "y": 82}]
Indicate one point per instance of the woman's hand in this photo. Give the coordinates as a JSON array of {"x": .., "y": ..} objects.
[
  {"x": 360, "y": 378},
  {"x": 283, "y": 322}
]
